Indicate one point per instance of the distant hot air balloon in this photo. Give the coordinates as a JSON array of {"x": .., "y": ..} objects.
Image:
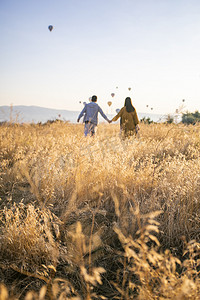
[
  {"x": 147, "y": 105},
  {"x": 151, "y": 108},
  {"x": 79, "y": 101},
  {"x": 50, "y": 27},
  {"x": 109, "y": 103},
  {"x": 116, "y": 87},
  {"x": 112, "y": 94},
  {"x": 129, "y": 88},
  {"x": 117, "y": 110},
  {"x": 183, "y": 100}
]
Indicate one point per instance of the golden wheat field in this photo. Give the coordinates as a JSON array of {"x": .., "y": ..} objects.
[{"x": 99, "y": 218}]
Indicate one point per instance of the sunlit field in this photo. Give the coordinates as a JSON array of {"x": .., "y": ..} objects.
[{"x": 99, "y": 218}]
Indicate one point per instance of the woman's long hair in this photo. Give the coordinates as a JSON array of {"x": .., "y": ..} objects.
[{"x": 128, "y": 105}]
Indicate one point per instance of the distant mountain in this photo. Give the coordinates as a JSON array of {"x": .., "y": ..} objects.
[{"x": 35, "y": 114}]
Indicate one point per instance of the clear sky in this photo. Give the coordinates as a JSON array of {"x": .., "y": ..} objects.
[{"x": 152, "y": 46}]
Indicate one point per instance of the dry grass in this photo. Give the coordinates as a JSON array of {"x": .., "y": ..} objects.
[{"x": 99, "y": 218}]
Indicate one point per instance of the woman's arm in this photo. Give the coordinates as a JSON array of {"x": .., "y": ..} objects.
[
  {"x": 118, "y": 115},
  {"x": 135, "y": 117}
]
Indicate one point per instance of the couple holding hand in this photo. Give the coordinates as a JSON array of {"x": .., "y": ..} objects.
[{"x": 128, "y": 117}]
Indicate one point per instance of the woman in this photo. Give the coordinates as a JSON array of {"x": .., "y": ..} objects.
[{"x": 128, "y": 118}]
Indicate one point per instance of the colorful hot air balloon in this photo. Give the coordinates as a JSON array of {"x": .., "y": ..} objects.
[
  {"x": 109, "y": 103},
  {"x": 112, "y": 94},
  {"x": 129, "y": 88},
  {"x": 50, "y": 27}
]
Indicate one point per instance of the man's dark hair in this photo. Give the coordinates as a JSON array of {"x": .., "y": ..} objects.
[{"x": 94, "y": 98}]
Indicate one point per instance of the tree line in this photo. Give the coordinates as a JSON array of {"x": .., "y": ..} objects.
[{"x": 187, "y": 118}]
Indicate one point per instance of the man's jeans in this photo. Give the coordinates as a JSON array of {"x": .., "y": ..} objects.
[{"x": 89, "y": 128}]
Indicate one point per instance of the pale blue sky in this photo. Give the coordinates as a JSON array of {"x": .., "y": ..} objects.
[{"x": 152, "y": 46}]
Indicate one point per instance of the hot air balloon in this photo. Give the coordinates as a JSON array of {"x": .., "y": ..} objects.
[
  {"x": 116, "y": 87},
  {"x": 109, "y": 103},
  {"x": 117, "y": 110},
  {"x": 183, "y": 100},
  {"x": 50, "y": 27},
  {"x": 147, "y": 105},
  {"x": 151, "y": 108},
  {"x": 129, "y": 88},
  {"x": 79, "y": 101},
  {"x": 112, "y": 94}
]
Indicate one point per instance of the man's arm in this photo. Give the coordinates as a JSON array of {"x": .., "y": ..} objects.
[
  {"x": 103, "y": 115},
  {"x": 81, "y": 113}
]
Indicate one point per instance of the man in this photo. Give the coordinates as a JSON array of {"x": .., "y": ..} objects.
[{"x": 90, "y": 113}]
